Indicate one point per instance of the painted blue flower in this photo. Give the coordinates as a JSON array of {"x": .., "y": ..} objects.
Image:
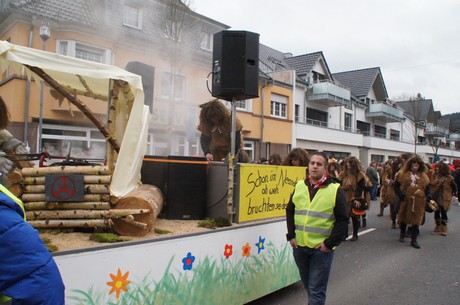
[
  {"x": 260, "y": 244},
  {"x": 188, "y": 261}
]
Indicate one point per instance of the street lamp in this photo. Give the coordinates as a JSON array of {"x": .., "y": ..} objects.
[{"x": 45, "y": 33}]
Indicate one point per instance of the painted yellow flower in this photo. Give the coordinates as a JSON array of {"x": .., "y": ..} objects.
[{"x": 119, "y": 283}]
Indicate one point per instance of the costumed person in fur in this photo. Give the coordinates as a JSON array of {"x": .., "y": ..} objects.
[
  {"x": 297, "y": 157},
  {"x": 333, "y": 170},
  {"x": 442, "y": 188},
  {"x": 413, "y": 190},
  {"x": 388, "y": 196},
  {"x": 353, "y": 182},
  {"x": 9, "y": 145},
  {"x": 215, "y": 126}
]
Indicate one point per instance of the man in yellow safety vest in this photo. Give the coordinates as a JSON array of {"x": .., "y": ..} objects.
[{"x": 317, "y": 221}]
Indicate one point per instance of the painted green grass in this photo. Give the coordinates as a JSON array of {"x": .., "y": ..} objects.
[{"x": 236, "y": 280}]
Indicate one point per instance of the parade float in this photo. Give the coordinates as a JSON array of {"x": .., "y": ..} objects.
[{"x": 231, "y": 265}]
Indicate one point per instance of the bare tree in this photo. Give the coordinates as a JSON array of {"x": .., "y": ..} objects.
[
  {"x": 182, "y": 38},
  {"x": 415, "y": 112}
]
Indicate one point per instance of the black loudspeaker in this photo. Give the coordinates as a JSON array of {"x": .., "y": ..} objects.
[
  {"x": 186, "y": 188},
  {"x": 182, "y": 181},
  {"x": 235, "y": 65},
  {"x": 148, "y": 73}
]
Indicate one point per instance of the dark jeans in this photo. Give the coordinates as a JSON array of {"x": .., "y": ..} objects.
[
  {"x": 441, "y": 214},
  {"x": 374, "y": 190},
  {"x": 314, "y": 268}
]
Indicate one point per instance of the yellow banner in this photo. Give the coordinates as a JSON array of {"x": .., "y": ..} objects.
[{"x": 265, "y": 190}]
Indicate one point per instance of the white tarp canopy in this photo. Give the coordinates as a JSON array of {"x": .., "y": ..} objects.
[{"x": 69, "y": 73}]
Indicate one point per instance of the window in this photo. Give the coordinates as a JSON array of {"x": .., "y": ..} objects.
[
  {"x": 394, "y": 135},
  {"x": 173, "y": 27},
  {"x": 245, "y": 105},
  {"x": 296, "y": 112},
  {"x": 279, "y": 106},
  {"x": 249, "y": 149},
  {"x": 380, "y": 131},
  {"x": 206, "y": 42},
  {"x": 84, "y": 142},
  {"x": 167, "y": 144},
  {"x": 363, "y": 128},
  {"x": 173, "y": 86},
  {"x": 316, "y": 117},
  {"x": 338, "y": 155},
  {"x": 378, "y": 158},
  {"x": 132, "y": 17},
  {"x": 84, "y": 51},
  {"x": 348, "y": 121}
]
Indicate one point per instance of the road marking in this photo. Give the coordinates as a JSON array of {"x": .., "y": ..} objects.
[{"x": 362, "y": 233}]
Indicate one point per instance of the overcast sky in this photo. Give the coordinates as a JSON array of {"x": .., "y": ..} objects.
[{"x": 416, "y": 43}]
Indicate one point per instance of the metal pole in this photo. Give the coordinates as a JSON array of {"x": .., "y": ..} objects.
[
  {"x": 231, "y": 166},
  {"x": 233, "y": 140},
  {"x": 44, "y": 35},
  {"x": 40, "y": 119}
]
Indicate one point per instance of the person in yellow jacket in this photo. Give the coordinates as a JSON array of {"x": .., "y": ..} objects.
[{"x": 317, "y": 220}]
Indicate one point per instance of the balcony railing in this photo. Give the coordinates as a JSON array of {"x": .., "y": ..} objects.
[
  {"x": 325, "y": 124},
  {"x": 434, "y": 130},
  {"x": 454, "y": 137},
  {"x": 385, "y": 112},
  {"x": 326, "y": 92}
]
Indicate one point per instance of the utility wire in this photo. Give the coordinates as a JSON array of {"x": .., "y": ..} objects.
[{"x": 422, "y": 65}]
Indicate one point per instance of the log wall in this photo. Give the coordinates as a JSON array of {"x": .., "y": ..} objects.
[{"x": 132, "y": 215}]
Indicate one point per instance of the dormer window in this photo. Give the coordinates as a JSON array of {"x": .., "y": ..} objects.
[
  {"x": 206, "y": 42},
  {"x": 132, "y": 17}
]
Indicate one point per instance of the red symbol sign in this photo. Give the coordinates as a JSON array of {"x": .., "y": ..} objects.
[{"x": 63, "y": 188}]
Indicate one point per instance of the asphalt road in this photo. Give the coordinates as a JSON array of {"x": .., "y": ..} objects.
[{"x": 379, "y": 270}]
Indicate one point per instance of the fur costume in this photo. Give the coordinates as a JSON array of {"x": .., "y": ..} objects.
[
  {"x": 216, "y": 136},
  {"x": 413, "y": 185},
  {"x": 441, "y": 190},
  {"x": 350, "y": 184},
  {"x": 9, "y": 144},
  {"x": 387, "y": 192}
]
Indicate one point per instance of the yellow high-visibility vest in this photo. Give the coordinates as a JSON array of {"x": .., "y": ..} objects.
[
  {"x": 314, "y": 219},
  {"x": 14, "y": 198}
]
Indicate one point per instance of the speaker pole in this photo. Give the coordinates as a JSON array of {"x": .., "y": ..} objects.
[{"x": 231, "y": 165}]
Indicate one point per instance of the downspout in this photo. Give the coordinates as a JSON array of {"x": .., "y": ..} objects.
[
  {"x": 294, "y": 128},
  {"x": 27, "y": 101},
  {"x": 262, "y": 96}
]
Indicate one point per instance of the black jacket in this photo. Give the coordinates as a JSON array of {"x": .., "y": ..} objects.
[{"x": 340, "y": 213}]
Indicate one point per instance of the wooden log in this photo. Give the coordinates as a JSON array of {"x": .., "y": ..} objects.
[
  {"x": 14, "y": 177},
  {"x": 144, "y": 197},
  {"x": 71, "y": 223},
  {"x": 83, "y": 214},
  {"x": 17, "y": 189},
  {"x": 80, "y": 105},
  {"x": 89, "y": 189},
  {"x": 97, "y": 189},
  {"x": 42, "y": 205},
  {"x": 87, "y": 179},
  {"x": 130, "y": 219},
  {"x": 84, "y": 170},
  {"x": 29, "y": 197}
]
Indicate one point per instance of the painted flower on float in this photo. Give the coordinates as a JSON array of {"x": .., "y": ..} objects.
[
  {"x": 246, "y": 250},
  {"x": 119, "y": 283},
  {"x": 188, "y": 261},
  {"x": 228, "y": 251},
  {"x": 260, "y": 244}
]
